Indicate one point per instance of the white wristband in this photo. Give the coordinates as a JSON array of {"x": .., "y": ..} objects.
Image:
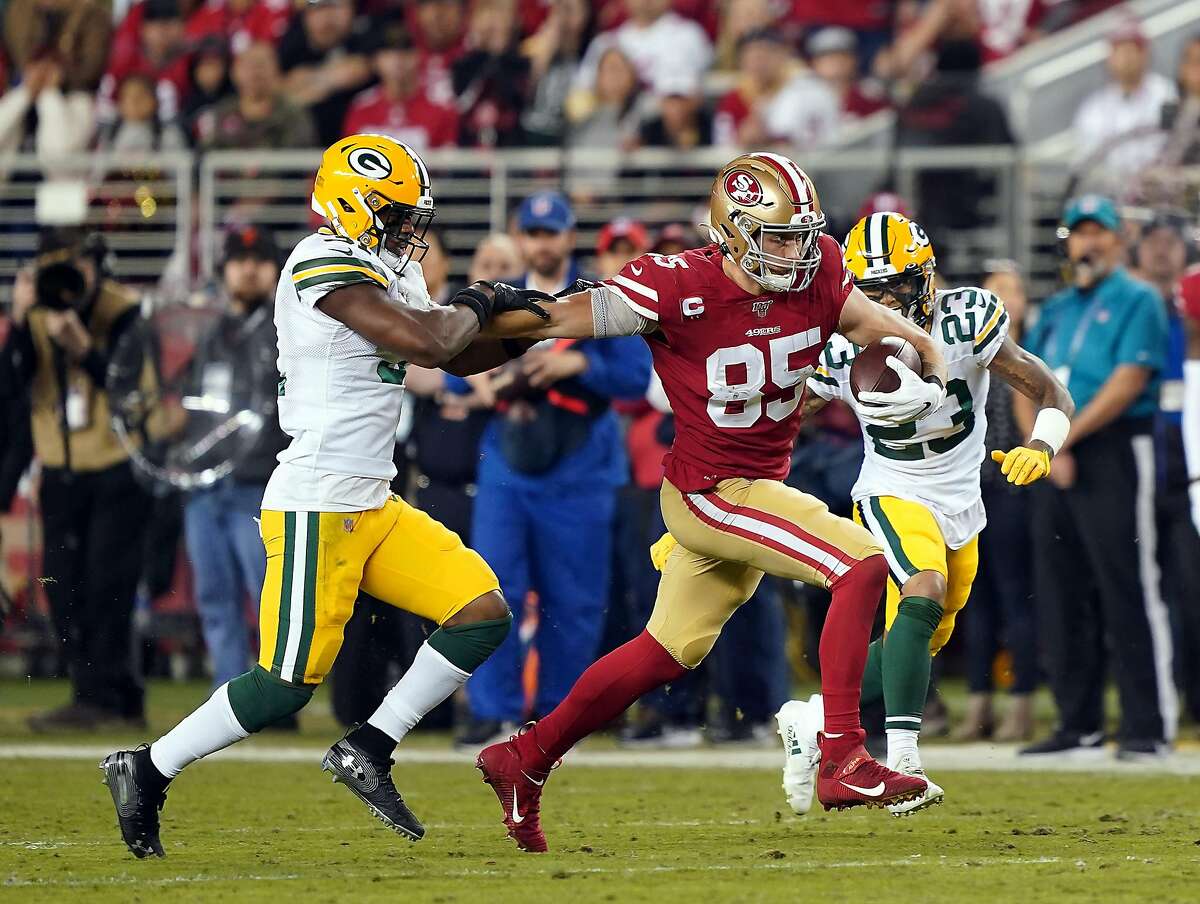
[{"x": 1051, "y": 427}]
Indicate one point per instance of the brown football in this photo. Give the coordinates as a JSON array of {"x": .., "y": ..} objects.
[{"x": 870, "y": 372}]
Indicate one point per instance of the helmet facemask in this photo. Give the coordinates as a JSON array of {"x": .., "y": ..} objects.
[
  {"x": 397, "y": 231},
  {"x": 775, "y": 271},
  {"x": 909, "y": 293}
]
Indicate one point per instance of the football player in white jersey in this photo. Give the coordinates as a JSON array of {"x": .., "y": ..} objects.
[
  {"x": 351, "y": 310},
  {"x": 918, "y": 491}
]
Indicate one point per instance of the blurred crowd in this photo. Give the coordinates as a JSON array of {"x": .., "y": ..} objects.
[{"x": 168, "y": 74}]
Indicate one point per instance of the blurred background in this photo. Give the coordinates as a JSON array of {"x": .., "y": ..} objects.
[{"x": 176, "y": 140}]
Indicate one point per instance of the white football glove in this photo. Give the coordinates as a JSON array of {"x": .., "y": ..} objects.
[{"x": 915, "y": 398}]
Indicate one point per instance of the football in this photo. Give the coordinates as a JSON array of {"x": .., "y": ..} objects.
[{"x": 870, "y": 372}]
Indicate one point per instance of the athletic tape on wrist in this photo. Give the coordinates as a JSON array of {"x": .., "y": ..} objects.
[{"x": 1051, "y": 428}]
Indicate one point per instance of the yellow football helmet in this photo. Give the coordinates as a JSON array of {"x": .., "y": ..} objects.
[
  {"x": 892, "y": 262},
  {"x": 758, "y": 195},
  {"x": 375, "y": 191}
]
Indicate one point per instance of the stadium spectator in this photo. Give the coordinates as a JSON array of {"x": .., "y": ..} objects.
[
  {"x": 741, "y": 17},
  {"x": 75, "y": 33},
  {"x": 259, "y": 115},
  {"x": 1119, "y": 127},
  {"x": 605, "y": 118},
  {"x": 682, "y": 123},
  {"x": 775, "y": 101},
  {"x": 1000, "y": 614},
  {"x": 950, "y": 108},
  {"x": 1183, "y": 117},
  {"x": 1161, "y": 258},
  {"x": 325, "y": 63},
  {"x": 151, "y": 40},
  {"x": 93, "y": 511},
  {"x": 138, "y": 128},
  {"x": 551, "y": 462},
  {"x": 240, "y": 21},
  {"x": 674, "y": 238},
  {"x": 64, "y": 118},
  {"x": 439, "y": 30},
  {"x": 833, "y": 55},
  {"x": 1105, "y": 335},
  {"x": 496, "y": 257},
  {"x": 210, "y": 79},
  {"x": 234, "y": 365},
  {"x": 554, "y": 51},
  {"x": 619, "y": 242},
  {"x": 399, "y": 105},
  {"x": 491, "y": 77},
  {"x": 661, "y": 44}
]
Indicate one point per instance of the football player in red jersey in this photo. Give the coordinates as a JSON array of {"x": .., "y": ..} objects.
[{"x": 735, "y": 329}]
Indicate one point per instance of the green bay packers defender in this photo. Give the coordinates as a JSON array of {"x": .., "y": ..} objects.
[
  {"x": 351, "y": 309},
  {"x": 918, "y": 491}
]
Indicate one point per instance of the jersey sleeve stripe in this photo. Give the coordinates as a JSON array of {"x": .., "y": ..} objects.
[
  {"x": 993, "y": 332},
  {"x": 340, "y": 271},
  {"x": 344, "y": 261},
  {"x": 644, "y": 311},
  {"x": 820, "y": 374},
  {"x": 632, "y": 286},
  {"x": 346, "y": 279}
]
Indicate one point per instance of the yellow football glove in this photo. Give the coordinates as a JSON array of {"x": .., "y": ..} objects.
[
  {"x": 1023, "y": 465},
  {"x": 661, "y": 549}
]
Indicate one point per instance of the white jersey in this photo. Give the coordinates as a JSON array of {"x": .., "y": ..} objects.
[
  {"x": 936, "y": 460},
  {"x": 339, "y": 395}
]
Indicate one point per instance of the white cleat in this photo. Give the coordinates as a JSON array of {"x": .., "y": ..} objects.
[
  {"x": 910, "y": 765},
  {"x": 799, "y": 722}
]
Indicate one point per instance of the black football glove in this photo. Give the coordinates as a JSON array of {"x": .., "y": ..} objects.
[
  {"x": 580, "y": 285},
  {"x": 488, "y": 299}
]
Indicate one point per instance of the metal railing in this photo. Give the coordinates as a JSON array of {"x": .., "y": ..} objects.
[{"x": 164, "y": 214}]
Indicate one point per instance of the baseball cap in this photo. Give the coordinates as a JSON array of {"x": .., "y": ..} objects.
[
  {"x": 833, "y": 39},
  {"x": 1096, "y": 208},
  {"x": 1128, "y": 28},
  {"x": 251, "y": 241},
  {"x": 672, "y": 233},
  {"x": 391, "y": 34},
  {"x": 623, "y": 228},
  {"x": 548, "y": 210},
  {"x": 160, "y": 10}
]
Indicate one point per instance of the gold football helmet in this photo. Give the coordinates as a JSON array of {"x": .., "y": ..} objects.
[
  {"x": 761, "y": 202},
  {"x": 375, "y": 191},
  {"x": 892, "y": 262}
]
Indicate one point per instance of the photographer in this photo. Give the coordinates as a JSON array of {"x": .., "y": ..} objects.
[{"x": 66, "y": 320}]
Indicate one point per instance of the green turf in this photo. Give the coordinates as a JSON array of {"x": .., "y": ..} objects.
[
  {"x": 256, "y": 832},
  {"x": 261, "y": 831}
]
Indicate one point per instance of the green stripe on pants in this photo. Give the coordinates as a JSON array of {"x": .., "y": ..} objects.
[
  {"x": 892, "y": 538},
  {"x": 285, "y": 592},
  {"x": 310, "y": 597}
]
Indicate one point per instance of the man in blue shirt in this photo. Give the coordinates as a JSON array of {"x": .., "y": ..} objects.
[
  {"x": 1095, "y": 566},
  {"x": 552, "y": 460}
]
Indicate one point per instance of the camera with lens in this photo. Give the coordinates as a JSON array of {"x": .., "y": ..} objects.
[{"x": 59, "y": 283}]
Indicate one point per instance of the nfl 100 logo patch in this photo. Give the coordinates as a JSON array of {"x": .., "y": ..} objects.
[{"x": 760, "y": 308}]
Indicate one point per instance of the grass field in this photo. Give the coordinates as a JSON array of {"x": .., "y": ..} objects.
[{"x": 259, "y": 831}]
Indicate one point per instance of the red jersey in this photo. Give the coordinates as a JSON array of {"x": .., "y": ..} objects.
[
  {"x": 416, "y": 121},
  {"x": 733, "y": 364}
]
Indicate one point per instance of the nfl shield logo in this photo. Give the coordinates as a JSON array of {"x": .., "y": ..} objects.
[
  {"x": 760, "y": 308},
  {"x": 348, "y": 525}
]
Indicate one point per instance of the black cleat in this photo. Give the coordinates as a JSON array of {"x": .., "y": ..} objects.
[
  {"x": 370, "y": 780},
  {"x": 137, "y": 807}
]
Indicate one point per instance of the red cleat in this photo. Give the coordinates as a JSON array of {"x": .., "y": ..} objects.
[
  {"x": 519, "y": 789},
  {"x": 850, "y": 777}
]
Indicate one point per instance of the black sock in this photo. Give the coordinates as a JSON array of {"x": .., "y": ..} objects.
[
  {"x": 146, "y": 773},
  {"x": 373, "y": 742}
]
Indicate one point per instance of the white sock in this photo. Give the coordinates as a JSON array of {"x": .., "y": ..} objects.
[
  {"x": 429, "y": 680},
  {"x": 211, "y": 727},
  {"x": 901, "y": 741}
]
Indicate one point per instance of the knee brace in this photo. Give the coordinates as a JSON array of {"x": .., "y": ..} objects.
[
  {"x": 259, "y": 699},
  {"x": 467, "y": 646}
]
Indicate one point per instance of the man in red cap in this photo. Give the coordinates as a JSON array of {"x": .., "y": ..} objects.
[{"x": 619, "y": 242}]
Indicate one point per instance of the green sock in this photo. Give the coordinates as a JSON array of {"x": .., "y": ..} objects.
[
  {"x": 906, "y": 662},
  {"x": 872, "y": 683}
]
